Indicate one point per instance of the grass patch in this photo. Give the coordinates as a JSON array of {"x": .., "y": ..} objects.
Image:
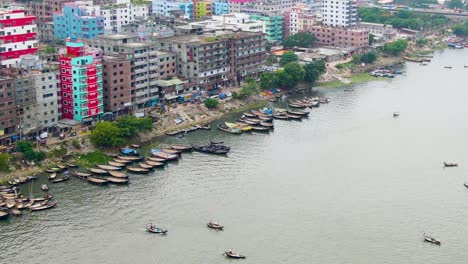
[
  {"x": 332, "y": 84},
  {"x": 91, "y": 159}
]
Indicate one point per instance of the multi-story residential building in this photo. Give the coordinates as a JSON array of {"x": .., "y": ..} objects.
[
  {"x": 79, "y": 19},
  {"x": 341, "y": 37},
  {"x": 81, "y": 88},
  {"x": 232, "y": 21},
  {"x": 117, "y": 83},
  {"x": 298, "y": 19},
  {"x": 381, "y": 31},
  {"x": 272, "y": 26},
  {"x": 339, "y": 13},
  {"x": 220, "y": 8},
  {"x": 18, "y": 35},
  {"x": 167, "y": 8},
  {"x": 202, "y": 9},
  {"x": 264, "y": 7},
  {"x": 118, "y": 15},
  {"x": 219, "y": 59},
  {"x": 148, "y": 65},
  {"x": 8, "y": 120},
  {"x": 236, "y": 5}
]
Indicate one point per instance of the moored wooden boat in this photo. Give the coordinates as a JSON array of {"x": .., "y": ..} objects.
[
  {"x": 296, "y": 105},
  {"x": 116, "y": 164},
  {"x": 267, "y": 124},
  {"x": 135, "y": 146},
  {"x": 260, "y": 128},
  {"x": 450, "y": 164},
  {"x": 44, "y": 187},
  {"x": 155, "y": 159},
  {"x": 97, "y": 181},
  {"x": 97, "y": 171},
  {"x": 61, "y": 179},
  {"x": 145, "y": 165},
  {"x": 52, "y": 170},
  {"x": 215, "y": 225},
  {"x": 81, "y": 174},
  {"x": 173, "y": 133},
  {"x": 232, "y": 130},
  {"x": 466, "y": 184},
  {"x": 62, "y": 167},
  {"x": 130, "y": 158},
  {"x": 107, "y": 167},
  {"x": 4, "y": 215},
  {"x": 137, "y": 170},
  {"x": 299, "y": 113},
  {"x": 265, "y": 118},
  {"x": 121, "y": 161},
  {"x": 249, "y": 115},
  {"x": 52, "y": 176},
  {"x": 183, "y": 148},
  {"x": 163, "y": 155},
  {"x": 71, "y": 165},
  {"x": 432, "y": 240},
  {"x": 154, "y": 164},
  {"x": 118, "y": 174},
  {"x": 294, "y": 117},
  {"x": 117, "y": 180},
  {"x": 171, "y": 151},
  {"x": 281, "y": 117},
  {"x": 413, "y": 59},
  {"x": 44, "y": 207}
]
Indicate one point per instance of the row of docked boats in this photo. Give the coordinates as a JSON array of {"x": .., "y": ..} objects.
[
  {"x": 13, "y": 203},
  {"x": 188, "y": 130},
  {"x": 308, "y": 102}
]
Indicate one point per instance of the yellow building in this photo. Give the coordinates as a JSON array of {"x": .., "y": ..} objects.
[{"x": 202, "y": 9}]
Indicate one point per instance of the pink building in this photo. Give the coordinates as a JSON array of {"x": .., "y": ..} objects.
[
  {"x": 341, "y": 37},
  {"x": 298, "y": 19}
]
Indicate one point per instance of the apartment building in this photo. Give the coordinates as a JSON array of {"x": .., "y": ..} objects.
[
  {"x": 116, "y": 72},
  {"x": 341, "y": 37},
  {"x": 79, "y": 19},
  {"x": 167, "y": 8},
  {"x": 202, "y": 9},
  {"x": 232, "y": 21},
  {"x": 220, "y": 8},
  {"x": 148, "y": 65},
  {"x": 8, "y": 120},
  {"x": 339, "y": 13},
  {"x": 272, "y": 26},
  {"x": 300, "y": 18},
  {"x": 81, "y": 88},
  {"x": 118, "y": 15},
  {"x": 213, "y": 60},
  {"x": 18, "y": 35}
]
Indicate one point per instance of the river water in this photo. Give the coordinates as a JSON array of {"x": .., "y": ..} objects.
[{"x": 351, "y": 184}]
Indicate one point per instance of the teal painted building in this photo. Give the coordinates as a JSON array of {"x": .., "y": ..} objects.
[{"x": 272, "y": 26}]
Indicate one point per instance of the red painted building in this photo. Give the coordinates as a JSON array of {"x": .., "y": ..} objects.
[
  {"x": 81, "y": 88},
  {"x": 18, "y": 35}
]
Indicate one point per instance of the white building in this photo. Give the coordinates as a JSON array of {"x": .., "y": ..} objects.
[
  {"x": 18, "y": 34},
  {"x": 122, "y": 13},
  {"x": 339, "y": 13},
  {"x": 231, "y": 21},
  {"x": 167, "y": 8}
]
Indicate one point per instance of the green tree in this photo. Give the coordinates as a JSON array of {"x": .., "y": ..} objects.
[
  {"x": 106, "y": 134},
  {"x": 312, "y": 71},
  {"x": 268, "y": 80},
  {"x": 129, "y": 126},
  {"x": 5, "y": 162},
  {"x": 296, "y": 72},
  {"x": 455, "y": 4},
  {"x": 303, "y": 40},
  {"x": 461, "y": 30},
  {"x": 396, "y": 47},
  {"x": 59, "y": 152},
  {"x": 288, "y": 57},
  {"x": 211, "y": 103},
  {"x": 369, "y": 57},
  {"x": 25, "y": 147},
  {"x": 270, "y": 60},
  {"x": 285, "y": 80}
]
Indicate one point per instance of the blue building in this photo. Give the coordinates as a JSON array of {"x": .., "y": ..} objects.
[
  {"x": 220, "y": 8},
  {"x": 79, "y": 21},
  {"x": 166, "y": 8}
]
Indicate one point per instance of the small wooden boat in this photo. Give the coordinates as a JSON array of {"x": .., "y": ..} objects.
[
  {"x": 297, "y": 105},
  {"x": 265, "y": 118},
  {"x": 97, "y": 181},
  {"x": 396, "y": 114},
  {"x": 249, "y": 115},
  {"x": 70, "y": 165},
  {"x": 4, "y": 215},
  {"x": 155, "y": 159},
  {"x": 184, "y": 148},
  {"x": 215, "y": 225},
  {"x": 121, "y": 161},
  {"x": 62, "y": 167},
  {"x": 234, "y": 255},
  {"x": 82, "y": 174},
  {"x": 448, "y": 67},
  {"x": 129, "y": 152},
  {"x": 260, "y": 128},
  {"x": 163, "y": 155},
  {"x": 45, "y": 207},
  {"x": 294, "y": 117},
  {"x": 281, "y": 117},
  {"x": 107, "y": 167},
  {"x": 19, "y": 205},
  {"x": 273, "y": 99},
  {"x": 118, "y": 174},
  {"x": 299, "y": 113},
  {"x": 466, "y": 184},
  {"x": 61, "y": 179},
  {"x": 137, "y": 170},
  {"x": 232, "y": 130},
  {"x": 154, "y": 164},
  {"x": 156, "y": 230},
  {"x": 171, "y": 151},
  {"x": 35, "y": 204},
  {"x": 10, "y": 204},
  {"x": 145, "y": 166},
  {"x": 449, "y": 164},
  {"x": 52, "y": 170},
  {"x": 267, "y": 124},
  {"x": 413, "y": 59},
  {"x": 116, "y": 164},
  {"x": 432, "y": 240},
  {"x": 97, "y": 171},
  {"x": 135, "y": 146},
  {"x": 44, "y": 187},
  {"x": 173, "y": 133},
  {"x": 130, "y": 158},
  {"x": 117, "y": 180},
  {"x": 52, "y": 176},
  {"x": 16, "y": 212}
]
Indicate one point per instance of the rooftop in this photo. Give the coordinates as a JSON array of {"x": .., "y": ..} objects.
[
  {"x": 118, "y": 36},
  {"x": 212, "y": 37}
]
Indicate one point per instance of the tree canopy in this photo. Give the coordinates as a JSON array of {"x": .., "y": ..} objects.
[
  {"x": 25, "y": 147},
  {"x": 461, "y": 30},
  {"x": 288, "y": 57},
  {"x": 292, "y": 74},
  {"x": 453, "y": 4},
  {"x": 312, "y": 71},
  {"x": 211, "y": 103},
  {"x": 5, "y": 162},
  {"x": 396, "y": 47},
  {"x": 112, "y": 134},
  {"x": 303, "y": 40}
]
